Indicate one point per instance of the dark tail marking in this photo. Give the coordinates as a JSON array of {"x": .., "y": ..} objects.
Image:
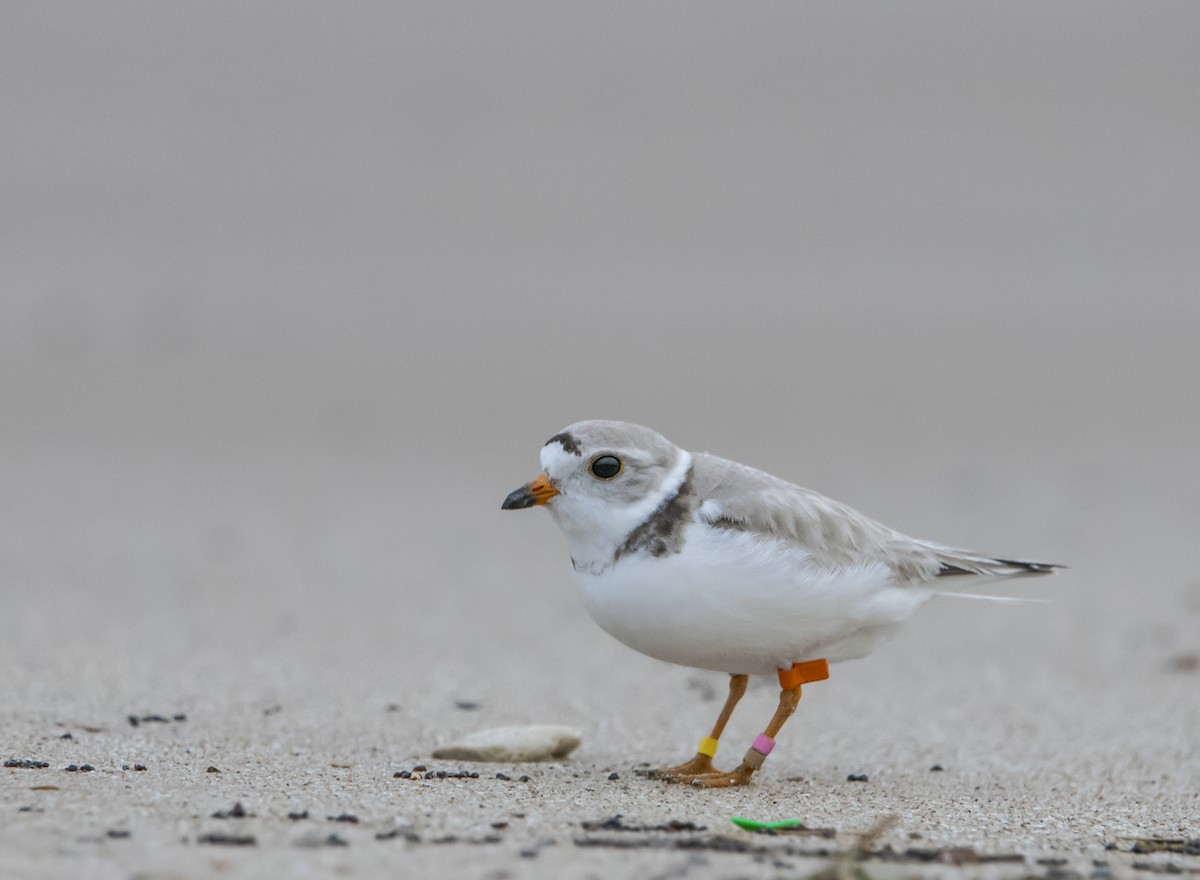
[{"x": 1023, "y": 568}]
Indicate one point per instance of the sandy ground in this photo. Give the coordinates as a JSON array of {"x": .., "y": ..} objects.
[
  {"x": 291, "y": 294},
  {"x": 1065, "y": 730}
]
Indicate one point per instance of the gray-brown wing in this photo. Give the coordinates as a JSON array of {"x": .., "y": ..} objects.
[{"x": 736, "y": 496}]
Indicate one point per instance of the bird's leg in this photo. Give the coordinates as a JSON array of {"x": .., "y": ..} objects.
[
  {"x": 790, "y": 681},
  {"x": 702, "y": 762}
]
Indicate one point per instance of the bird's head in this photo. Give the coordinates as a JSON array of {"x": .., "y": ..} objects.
[{"x": 600, "y": 479}]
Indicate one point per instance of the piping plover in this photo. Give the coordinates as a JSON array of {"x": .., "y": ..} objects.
[{"x": 708, "y": 563}]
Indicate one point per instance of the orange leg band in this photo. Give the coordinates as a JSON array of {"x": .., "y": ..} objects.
[{"x": 803, "y": 673}]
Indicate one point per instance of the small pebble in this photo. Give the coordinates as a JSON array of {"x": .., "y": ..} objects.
[
  {"x": 503, "y": 776},
  {"x": 67, "y": 735},
  {"x": 228, "y": 839},
  {"x": 466, "y": 705},
  {"x": 139, "y": 766},
  {"x": 344, "y": 817},
  {"x": 936, "y": 768},
  {"x": 27, "y": 765},
  {"x": 857, "y": 777},
  {"x": 86, "y": 768},
  {"x": 212, "y": 770},
  {"x": 535, "y": 742},
  {"x": 312, "y": 839},
  {"x": 296, "y": 817},
  {"x": 420, "y": 768},
  {"x": 71, "y": 768},
  {"x": 235, "y": 812},
  {"x": 499, "y": 826},
  {"x": 614, "y": 775},
  {"x": 402, "y": 774},
  {"x": 119, "y": 834},
  {"x": 393, "y": 833},
  {"x": 522, "y": 779}
]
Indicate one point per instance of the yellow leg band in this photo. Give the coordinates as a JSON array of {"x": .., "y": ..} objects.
[{"x": 708, "y": 746}]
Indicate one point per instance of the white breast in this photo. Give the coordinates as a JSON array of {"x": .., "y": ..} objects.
[{"x": 738, "y": 603}]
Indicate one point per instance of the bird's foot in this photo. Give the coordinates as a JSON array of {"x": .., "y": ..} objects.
[
  {"x": 698, "y": 766},
  {"x": 699, "y": 772},
  {"x": 737, "y": 777}
]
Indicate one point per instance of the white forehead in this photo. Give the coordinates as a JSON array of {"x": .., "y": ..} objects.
[{"x": 556, "y": 460}]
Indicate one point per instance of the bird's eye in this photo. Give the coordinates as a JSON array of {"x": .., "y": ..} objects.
[{"x": 606, "y": 467}]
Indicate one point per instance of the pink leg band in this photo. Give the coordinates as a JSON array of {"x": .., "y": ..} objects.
[{"x": 763, "y": 744}]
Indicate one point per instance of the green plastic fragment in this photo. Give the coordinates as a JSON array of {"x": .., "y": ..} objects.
[{"x": 755, "y": 825}]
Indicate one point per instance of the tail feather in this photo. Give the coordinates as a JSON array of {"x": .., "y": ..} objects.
[
  {"x": 962, "y": 562},
  {"x": 1004, "y": 600}
]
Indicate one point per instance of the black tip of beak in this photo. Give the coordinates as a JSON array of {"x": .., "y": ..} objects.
[{"x": 519, "y": 499}]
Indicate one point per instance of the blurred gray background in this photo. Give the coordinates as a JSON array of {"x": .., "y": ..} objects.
[{"x": 292, "y": 293}]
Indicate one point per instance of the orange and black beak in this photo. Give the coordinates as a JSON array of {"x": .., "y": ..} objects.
[{"x": 539, "y": 491}]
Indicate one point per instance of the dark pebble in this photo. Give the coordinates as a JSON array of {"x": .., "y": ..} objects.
[
  {"x": 334, "y": 840},
  {"x": 441, "y": 774},
  {"x": 86, "y": 768},
  {"x": 126, "y": 767},
  {"x": 393, "y": 833},
  {"x": 402, "y": 774},
  {"x": 26, "y": 765},
  {"x": 499, "y": 826},
  {"x": 139, "y": 766},
  {"x": 228, "y": 839},
  {"x": 67, "y": 735},
  {"x": 466, "y": 705},
  {"x": 474, "y": 774},
  {"x": 119, "y": 834},
  {"x": 503, "y": 776},
  {"x": 936, "y": 768},
  {"x": 212, "y": 770},
  {"x": 522, "y": 779},
  {"x": 528, "y": 853},
  {"x": 296, "y": 817},
  {"x": 614, "y": 775},
  {"x": 345, "y": 817},
  {"x": 420, "y": 768},
  {"x": 71, "y": 768},
  {"x": 179, "y": 717},
  {"x": 237, "y": 811},
  {"x": 857, "y": 777}
]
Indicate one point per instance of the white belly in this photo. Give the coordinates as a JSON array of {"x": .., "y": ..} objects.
[{"x": 737, "y": 604}]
